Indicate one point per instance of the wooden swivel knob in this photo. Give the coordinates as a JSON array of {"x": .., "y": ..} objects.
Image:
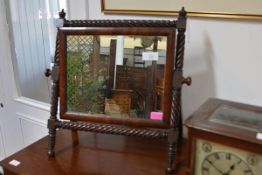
[
  {"x": 47, "y": 72},
  {"x": 187, "y": 81}
]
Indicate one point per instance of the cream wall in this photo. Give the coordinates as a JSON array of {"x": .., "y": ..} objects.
[
  {"x": 77, "y": 9},
  {"x": 223, "y": 57}
]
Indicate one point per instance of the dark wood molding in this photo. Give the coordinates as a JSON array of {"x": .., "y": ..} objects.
[
  {"x": 170, "y": 33},
  {"x": 120, "y": 23},
  {"x": 112, "y": 129}
]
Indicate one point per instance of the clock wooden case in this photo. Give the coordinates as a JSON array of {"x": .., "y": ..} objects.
[
  {"x": 222, "y": 139},
  {"x": 100, "y": 91}
]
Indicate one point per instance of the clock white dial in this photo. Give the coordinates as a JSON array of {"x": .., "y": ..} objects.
[
  {"x": 224, "y": 163},
  {"x": 217, "y": 159}
]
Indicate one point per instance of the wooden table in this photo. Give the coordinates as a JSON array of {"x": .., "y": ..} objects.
[{"x": 93, "y": 154}]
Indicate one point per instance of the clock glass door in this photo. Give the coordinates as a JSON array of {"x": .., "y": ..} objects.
[
  {"x": 238, "y": 118},
  {"x": 216, "y": 159}
]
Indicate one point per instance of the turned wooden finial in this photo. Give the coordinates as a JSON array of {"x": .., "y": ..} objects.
[
  {"x": 182, "y": 12},
  {"x": 181, "y": 22},
  {"x": 62, "y": 14},
  {"x": 60, "y": 21}
]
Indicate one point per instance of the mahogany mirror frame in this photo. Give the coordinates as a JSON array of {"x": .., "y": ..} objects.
[
  {"x": 170, "y": 127},
  {"x": 168, "y": 32}
]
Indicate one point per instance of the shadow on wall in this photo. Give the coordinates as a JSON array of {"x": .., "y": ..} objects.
[{"x": 200, "y": 66}]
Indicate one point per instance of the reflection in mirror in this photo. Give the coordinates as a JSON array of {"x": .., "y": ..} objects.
[{"x": 115, "y": 76}]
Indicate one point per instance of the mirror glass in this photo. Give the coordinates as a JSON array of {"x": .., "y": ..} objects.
[{"x": 115, "y": 76}]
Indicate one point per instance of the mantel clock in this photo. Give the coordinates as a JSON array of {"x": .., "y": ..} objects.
[{"x": 224, "y": 139}]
